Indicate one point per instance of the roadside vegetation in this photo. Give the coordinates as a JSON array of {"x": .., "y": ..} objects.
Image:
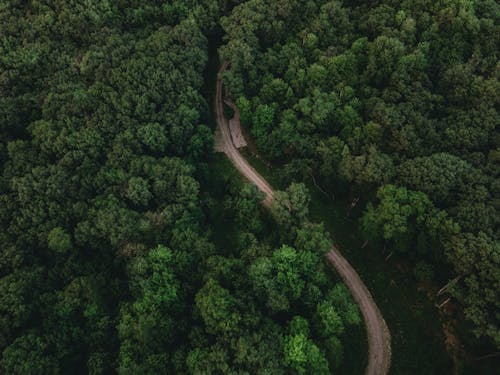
[{"x": 390, "y": 108}]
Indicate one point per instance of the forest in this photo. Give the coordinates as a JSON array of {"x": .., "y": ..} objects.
[{"x": 127, "y": 246}]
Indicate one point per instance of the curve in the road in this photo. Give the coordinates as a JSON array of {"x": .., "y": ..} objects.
[{"x": 379, "y": 338}]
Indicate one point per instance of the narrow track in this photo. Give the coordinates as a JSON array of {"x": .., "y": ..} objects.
[{"x": 379, "y": 338}]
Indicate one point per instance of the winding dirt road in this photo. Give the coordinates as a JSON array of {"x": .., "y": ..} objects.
[{"x": 379, "y": 338}]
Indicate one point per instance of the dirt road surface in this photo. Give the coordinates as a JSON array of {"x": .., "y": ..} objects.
[
  {"x": 379, "y": 338},
  {"x": 235, "y": 127}
]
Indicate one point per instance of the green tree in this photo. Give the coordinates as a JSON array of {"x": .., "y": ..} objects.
[
  {"x": 59, "y": 241},
  {"x": 476, "y": 259},
  {"x": 303, "y": 356},
  {"x": 28, "y": 355},
  {"x": 286, "y": 277},
  {"x": 401, "y": 215},
  {"x": 217, "y": 308},
  {"x": 153, "y": 137},
  {"x": 291, "y": 206},
  {"x": 313, "y": 238},
  {"x": 383, "y": 58},
  {"x": 247, "y": 206},
  {"x": 441, "y": 176}
]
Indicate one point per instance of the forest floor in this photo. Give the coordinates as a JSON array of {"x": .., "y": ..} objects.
[{"x": 379, "y": 339}]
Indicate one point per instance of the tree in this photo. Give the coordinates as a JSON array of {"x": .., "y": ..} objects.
[
  {"x": 59, "y": 241},
  {"x": 286, "y": 277},
  {"x": 313, "y": 238},
  {"x": 441, "y": 176},
  {"x": 246, "y": 206},
  {"x": 403, "y": 214},
  {"x": 383, "y": 58},
  {"x": 262, "y": 121},
  {"x": 329, "y": 320},
  {"x": 106, "y": 221},
  {"x": 367, "y": 95},
  {"x": 366, "y": 170},
  {"x": 303, "y": 356},
  {"x": 340, "y": 297},
  {"x": 147, "y": 326},
  {"x": 476, "y": 259},
  {"x": 28, "y": 355},
  {"x": 153, "y": 137},
  {"x": 201, "y": 143},
  {"x": 217, "y": 308},
  {"x": 17, "y": 302},
  {"x": 291, "y": 206},
  {"x": 245, "y": 109},
  {"x": 330, "y": 155}
]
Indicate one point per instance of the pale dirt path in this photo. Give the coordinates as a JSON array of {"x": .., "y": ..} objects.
[
  {"x": 235, "y": 127},
  {"x": 379, "y": 338}
]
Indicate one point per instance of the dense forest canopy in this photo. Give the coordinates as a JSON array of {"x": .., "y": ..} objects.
[
  {"x": 396, "y": 103},
  {"x": 107, "y": 264},
  {"x": 101, "y": 127},
  {"x": 121, "y": 251}
]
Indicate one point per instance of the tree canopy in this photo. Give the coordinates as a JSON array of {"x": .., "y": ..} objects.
[
  {"x": 392, "y": 102},
  {"x": 126, "y": 245}
]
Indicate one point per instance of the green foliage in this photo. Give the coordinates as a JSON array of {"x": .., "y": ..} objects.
[
  {"x": 330, "y": 153},
  {"x": 28, "y": 355},
  {"x": 340, "y": 298},
  {"x": 99, "y": 103},
  {"x": 383, "y": 57},
  {"x": 153, "y": 136},
  {"x": 247, "y": 205},
  {"x": 329, "y": 319},
  {"x": 367, "y": 170},
  {"x": 217, "y": 308},
  {"x": 303, "y": 356},
  {"x": 262, "y": 121},
  {"x": 444, "y": 177},
  {"x": 245, "y": 109},
  {"x": 148, "y": 322},
  {"x": 138, "y": 191},
  {"x": 477, "y": 260},
  {"x": 364, "y": 95},
  {"x": 402, "y": 215},
  {"x": 290, "y": 207},
  {"x": 59, "y": 241},
  {"x": 107, "y": 264},
  {"x": 299, "y": 326},
  {"x": 287, "y": 278},
  {"x": 18, "y": 302},
  {"x": 313, "y": 238}
]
